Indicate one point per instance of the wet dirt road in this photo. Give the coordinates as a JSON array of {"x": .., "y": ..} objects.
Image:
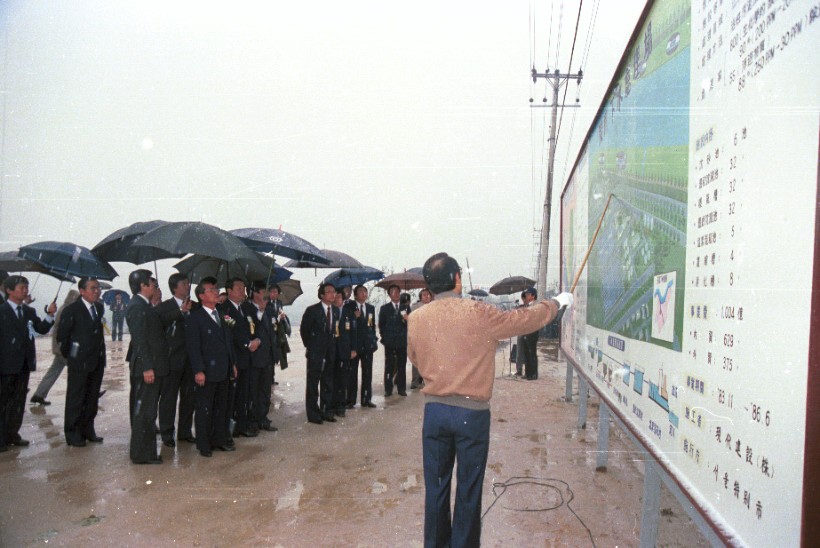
[{"x": 357, "y": 482}]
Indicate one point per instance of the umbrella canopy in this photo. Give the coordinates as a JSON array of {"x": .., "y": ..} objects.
[
  {"x": 337, "y": 260},
  {"x": 105, "y": 285},
  {"x": 12, "y": 262},
  {"x": 109, "y": 296},
  {"x": 68, "y": 259},
  {"x": 279, "y": 242},
  {"x": 196, "y": 237},
  {"x": 118, "y": 246},
  {"x": 510, "y": 285},
  {"x": 353, "y": 276},
  {"x": 289, "y": 291},
  {"x": 409, "y": 279},
  {"x": 478, "y": 293},
  {"x": 197, "y": 267}
]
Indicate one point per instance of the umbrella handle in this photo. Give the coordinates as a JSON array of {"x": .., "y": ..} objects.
[
  {"x": 58, "y": 291},
  {"x": 592, "y": 243}
]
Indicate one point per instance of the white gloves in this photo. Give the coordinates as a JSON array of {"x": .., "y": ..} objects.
[{"x": 564, "y": 299}]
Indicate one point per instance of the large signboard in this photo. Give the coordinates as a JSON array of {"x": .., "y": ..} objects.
[{"x": 692, "y": 316}]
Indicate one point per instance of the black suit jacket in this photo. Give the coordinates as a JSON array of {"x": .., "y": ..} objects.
[
  {"x": 173, "y": 322},
  {"x": 240, "y": 333},
  {"x": 346, "y": 340},
  {"x": 81, "y": 339},
  {"x": 16, "y": 344},
  {"x": 148, "y": 348},
  {"x": 210, "y": 347},
  {"x": 265, "y": 355},
  {"x": 392, "y": 327},
  {"x": 366, "y": 339},
  {"x": 319, "y": 342}
]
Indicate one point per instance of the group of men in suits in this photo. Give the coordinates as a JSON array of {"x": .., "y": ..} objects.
[
  {"x": 339, "y": 335},
  {"x": 215, "y": 360}
]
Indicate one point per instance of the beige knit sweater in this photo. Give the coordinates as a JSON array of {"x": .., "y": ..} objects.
[{"x": 453, "y": 342}]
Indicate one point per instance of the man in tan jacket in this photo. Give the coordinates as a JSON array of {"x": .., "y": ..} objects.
[{"x": 453, "y": 342}]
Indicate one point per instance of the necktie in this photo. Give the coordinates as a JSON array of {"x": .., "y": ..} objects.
[
  {"x": 329, "y": 321},
  {"x": 19, "y": 312},
  {"x": 361, "y": 309},
  {"x": 93, "y": 312},
  {"x": 216, "y": 317}
]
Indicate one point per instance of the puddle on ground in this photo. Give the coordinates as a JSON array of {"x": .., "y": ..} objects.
[
  {"x": 378, "y": 488},
  {"x": 290, "y": 500}
]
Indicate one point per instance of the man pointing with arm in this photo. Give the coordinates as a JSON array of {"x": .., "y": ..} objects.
[{"x": 453, "y": 342}]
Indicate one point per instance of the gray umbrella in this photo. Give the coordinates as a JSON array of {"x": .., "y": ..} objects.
[
  {"x": 337, "y": 260},
  {"x": 289, "y": 290},
  {"x": 200, "y": 238},
  {"x": 118, "y": 246},
  {"x": 10, "y": 261}
]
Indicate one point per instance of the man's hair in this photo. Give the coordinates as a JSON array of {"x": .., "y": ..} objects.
[
  {"x": 440, "y": 273},
  {"x": 139, "y": 278},
  {"x": 423, "y": 291},
  {"x": 200, "y": 289},
  {"x": 530, "y": 291},
  {"x": 391, "y": 286},
  {"x": 12, "y": 281},
  {"x": 323, "y": 286},
  {"x": 3, "y": 275},
  {"x": 231, "y": 281},
  {"x": 174, "y": 279},
  {"x": 276, "y": 287},
  {"x": 84, "y": 281},
  {"x": 259, "y": 286},
  {"x": 358, "y": 287}
]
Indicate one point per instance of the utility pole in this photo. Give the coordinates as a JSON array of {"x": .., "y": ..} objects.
[{"x": 556, "y": 81}]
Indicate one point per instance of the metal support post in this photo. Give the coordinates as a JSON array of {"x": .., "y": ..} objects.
[{"x": 603, "y": 438}]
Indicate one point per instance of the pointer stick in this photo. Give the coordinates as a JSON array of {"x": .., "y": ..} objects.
[{"x": 592, "y": 243}]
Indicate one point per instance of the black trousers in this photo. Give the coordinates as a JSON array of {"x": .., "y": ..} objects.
[
  {"x": 531, "y": 356},
  {"x": 81, "y": 401},
  {"x": 13, "y": 389},
  {"x": 242, "y": 400},
  {"x": 366, "y": 362},
  {"x": 178, "y": 385},
  {"x": 395, "y": 369},
  {"x": 144, "y": 399},
  {"x": 319, "y": 389},
  {"x": 211, "y": 414},
  {"x": 261, "y": 403},
  {"x": 340, "y": 381}
]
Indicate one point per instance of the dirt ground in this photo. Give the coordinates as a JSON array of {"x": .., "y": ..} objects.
[{"x": 357, "y": 482}]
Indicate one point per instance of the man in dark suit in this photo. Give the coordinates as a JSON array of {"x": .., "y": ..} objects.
[
  {"x": 281, "y": 327},
  {"x": 530, "y": 341},
  {"x": 318, "y": 330},
  {"x": 345, "y": 351},
  {"x": 393, "y": 330},
  {"x": 244, "y": 343},
  {"x": 18, "y": 356},
  {"x": 82, "y": 343},
  {"x": 148, "y": 359},
  {"x": 179, "y": 384},
  {"x": 210, "y": 349},
  {"x": 260, "y": 372},
  {"x": 366, "y": 344}
]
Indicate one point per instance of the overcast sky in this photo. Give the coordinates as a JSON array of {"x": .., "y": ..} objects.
[{"x": 388, "y": 131}]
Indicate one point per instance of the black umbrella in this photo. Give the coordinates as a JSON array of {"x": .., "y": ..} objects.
[
  {"x": 336, "y": 259},
  {"x": 197, "y": 267},
  {"x": 353, "y": 276},
  {"x": 12, "y": 262},
  {"x": 196, "y": 237},
  {"x": 109, "y": 296},
  {"x": 118, "y": 246},
  {"x": 279, "y": 242},
  {"x": 478, "y": 293},
  {"x": 512, "y": 284},
  {"x": 68, "y": 259}
]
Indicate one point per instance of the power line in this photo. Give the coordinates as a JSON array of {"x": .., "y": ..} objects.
[{"x": 571, "y": 54}]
